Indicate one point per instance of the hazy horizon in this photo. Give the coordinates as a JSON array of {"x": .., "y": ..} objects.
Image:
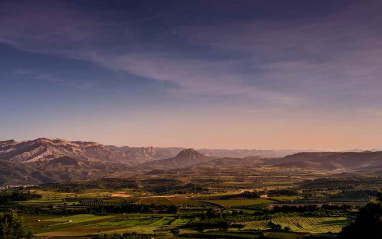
[
  {"x": 203, "y": 74},
  {"x": 204, "y": 148}
]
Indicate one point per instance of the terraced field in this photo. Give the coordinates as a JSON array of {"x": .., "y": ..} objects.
[
  {"x": 302, "y": 224},
  {"x": 256, "y": 225}
]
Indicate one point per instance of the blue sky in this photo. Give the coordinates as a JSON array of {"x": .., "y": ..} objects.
[{"x": 193, "y": 73}]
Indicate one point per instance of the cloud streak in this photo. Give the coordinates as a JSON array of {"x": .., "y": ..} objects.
[{"x": 330, "y": 60}]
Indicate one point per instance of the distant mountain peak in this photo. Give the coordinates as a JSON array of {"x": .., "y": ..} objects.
[
  {"x": 190, "y": 153},
  {"x": 185, "y": 158}
]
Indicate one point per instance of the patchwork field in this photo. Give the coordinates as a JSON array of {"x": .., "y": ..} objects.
[
  {"x": 200, "y": 209},
  {"x": 87, "y": 224}
]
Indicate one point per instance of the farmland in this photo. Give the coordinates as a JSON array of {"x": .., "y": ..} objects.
[
  {"x": 82, "y": 225},
  {"x": 264, "y": 205}
]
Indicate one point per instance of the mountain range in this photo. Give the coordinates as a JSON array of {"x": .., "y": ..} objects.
[
  {"x": 52, "y": 160},
  {"x": 43, "y": 149}
]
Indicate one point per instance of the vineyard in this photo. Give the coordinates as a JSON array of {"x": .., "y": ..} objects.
[{"x": 302, "y": 224}]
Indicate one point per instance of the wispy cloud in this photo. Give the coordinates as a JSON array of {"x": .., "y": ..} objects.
[
  {"x": 333, "y": 58},
  {"x": 326, "y": 60}
]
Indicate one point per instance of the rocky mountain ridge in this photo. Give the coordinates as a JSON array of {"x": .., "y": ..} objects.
[{"x": 43, "y": 149}]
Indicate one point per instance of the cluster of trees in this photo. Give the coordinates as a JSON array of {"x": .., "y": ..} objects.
[
  {"x": 103, "y": 209},
  {"x": 302, "y": 209},
  {"x": 17, "y": 195},
  {"x": 248, "y": 194},
  {"x": 187, "y": 188},
  {"x": 282, "y": 192},
  {"x": 310, "y": 208},
  {"x": 354, "y": 195},
  {"x": 105, "y": 183},
  {"x": 337, "y": 207},
  {"x": 369, "y": 222},
  {"x": 213, "y": 216},
  {"x": 176, "y": 188},
  {"x": 341, "y": 183},
  {"x": 245, "y": 194},
  {"x": 69, "y": 187},
  {"x": 158, "y": 185},
  {"x": 216, "y": 220},
  {"x": 12, "y": 227},
  {"x": 117, "y": 183},
  {"x": 213, "y": 219},
  {"x": 201, "y": 226},
  {"x": 99, "y": 202},
  {"x": 277, "y": 227}
]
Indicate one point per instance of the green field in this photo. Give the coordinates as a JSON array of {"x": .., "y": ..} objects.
[{"x": 78, "y": 218}]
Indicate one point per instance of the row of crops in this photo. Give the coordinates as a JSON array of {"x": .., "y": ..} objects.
[{"x": 302, "y": 224}]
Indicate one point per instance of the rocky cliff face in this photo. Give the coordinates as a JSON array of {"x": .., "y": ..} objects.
[{"x": 43, "y": 149}]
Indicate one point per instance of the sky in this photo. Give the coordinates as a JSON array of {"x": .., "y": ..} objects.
[{"x": 252, "y": 74}]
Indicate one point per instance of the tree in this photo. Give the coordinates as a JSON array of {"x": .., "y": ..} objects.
[
  {"x": 368, "y": 223},
  {"x": 274, "y": 226},
  {"x": 287, "y": 229},
  {"x": 379, "y": 196},
  {"x": 12, "y": 227}
]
